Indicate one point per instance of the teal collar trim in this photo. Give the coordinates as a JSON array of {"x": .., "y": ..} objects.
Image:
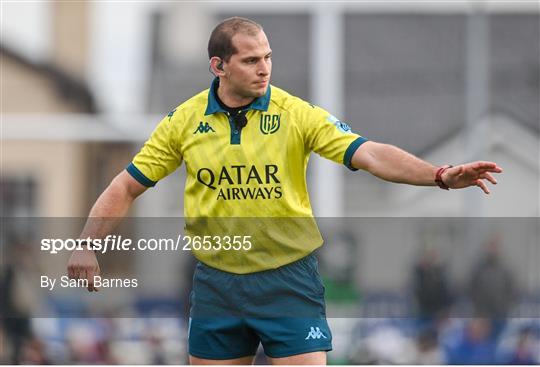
[{"x": 260, "y": 103}]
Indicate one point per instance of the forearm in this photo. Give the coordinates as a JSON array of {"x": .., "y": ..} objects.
[
  {"x": 107, "y": 212},
  {"x": 395, "y": 165},
  {"x": 109, "y": 209}
]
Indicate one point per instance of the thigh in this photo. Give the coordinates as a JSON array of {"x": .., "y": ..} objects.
[
  {"x": 236, "y": 361},
  {"x": 313, "y": 358}
]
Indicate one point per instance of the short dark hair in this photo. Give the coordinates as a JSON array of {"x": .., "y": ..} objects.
[{"x": 220, "y": 43}]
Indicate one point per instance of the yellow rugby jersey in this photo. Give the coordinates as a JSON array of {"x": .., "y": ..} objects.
[{"x": 250, "y": 180}]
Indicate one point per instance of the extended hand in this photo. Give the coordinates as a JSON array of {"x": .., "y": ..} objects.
[
  {"x": 83, "y": 265},
  {"x": 471, "y": 174}
]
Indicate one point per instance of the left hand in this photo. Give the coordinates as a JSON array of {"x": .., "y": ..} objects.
[{"x": 471, "y": 174}]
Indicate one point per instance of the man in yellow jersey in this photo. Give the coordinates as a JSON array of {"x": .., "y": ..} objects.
[{"x": 246, "y": 145}]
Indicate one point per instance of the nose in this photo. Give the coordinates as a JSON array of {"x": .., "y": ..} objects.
[{"x": 265, "y": 67}]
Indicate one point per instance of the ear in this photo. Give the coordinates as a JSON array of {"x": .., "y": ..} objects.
[{"x": 216, "y": 65}]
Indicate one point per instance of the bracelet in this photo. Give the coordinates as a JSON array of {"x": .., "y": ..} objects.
[
  {"x": 438, "y": 177},
  {"x": 86, "y": 244}
]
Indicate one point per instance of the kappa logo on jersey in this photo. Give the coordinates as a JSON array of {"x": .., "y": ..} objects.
[
  {"x": 204, "y": 128},
  {"x": 270, "y": 123},
  {"x": 342, "y": 126},
  {"x": 315, "y": 333}
]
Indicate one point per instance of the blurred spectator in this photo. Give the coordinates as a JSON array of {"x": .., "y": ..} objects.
[
  {"x": 33, "y": 352},
  {"x": 525, "y": 348},
  {"x": 155, "y": 342},
  {"x": 430, "y": 285},
  {"x": 385, "y": 344},
  {"x": 475, "y": 345},
  {"x": 16, "y": 299},
  {"x": 428, "y": 350},
  {"x": 4, "y": 352},
  {"x": 492, "y": 288},
  {"x": 88, "y": 341}
]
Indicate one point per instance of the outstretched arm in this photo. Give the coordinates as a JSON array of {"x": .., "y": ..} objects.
[
  {"x": 395, "y": 165},
  {"x": 112, "y": 205},
  {"x": 107, "y": 212}
]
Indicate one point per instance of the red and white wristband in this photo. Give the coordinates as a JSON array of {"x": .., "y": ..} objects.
[{"x": 438, "y": 177}]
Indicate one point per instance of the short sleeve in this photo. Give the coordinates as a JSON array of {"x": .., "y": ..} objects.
[
  {"x": 328, "y": 136},
  {"x": 160, "y": 155}
]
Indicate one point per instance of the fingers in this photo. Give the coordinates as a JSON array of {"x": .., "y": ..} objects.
[
  {"x": 78, "y": 271},
  {"x": 90, "y": 277},
  {"x": 74, "y": 272},
  {"x": 488, "y": 176},
  {"x": 472, "y": 174},
  {"x": 487, "y": 167},
  {"x": 82, "y": 274},
  {"x": 483, "y": 186},
  {"x": 71, "y": 272}
]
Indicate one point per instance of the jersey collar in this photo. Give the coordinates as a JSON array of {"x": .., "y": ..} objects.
[{"x": 260, "y": 103}]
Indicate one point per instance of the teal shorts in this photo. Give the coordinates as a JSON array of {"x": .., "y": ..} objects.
[{"x": 283, "y": 309}]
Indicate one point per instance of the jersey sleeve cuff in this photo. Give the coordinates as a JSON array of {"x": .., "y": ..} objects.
[
  {"x": 347, "y": 158},
  {"x": 139, "y": 176}
]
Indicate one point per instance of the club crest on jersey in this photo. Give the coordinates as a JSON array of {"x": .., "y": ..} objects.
[
  {"x": 342, "y": 126},
  {"x": 270, "y": 123}
]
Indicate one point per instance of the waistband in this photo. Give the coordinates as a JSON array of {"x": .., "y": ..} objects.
[{"x": 306, "y": 260}]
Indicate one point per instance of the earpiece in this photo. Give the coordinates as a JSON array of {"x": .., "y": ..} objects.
[{"x": 218, "y": 66}]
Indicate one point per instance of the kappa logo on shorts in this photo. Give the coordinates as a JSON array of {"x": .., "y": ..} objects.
[{"x": 315, "y": 333}]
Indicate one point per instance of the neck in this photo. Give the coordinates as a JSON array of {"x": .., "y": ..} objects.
[{"x": 231, "y": 99}]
